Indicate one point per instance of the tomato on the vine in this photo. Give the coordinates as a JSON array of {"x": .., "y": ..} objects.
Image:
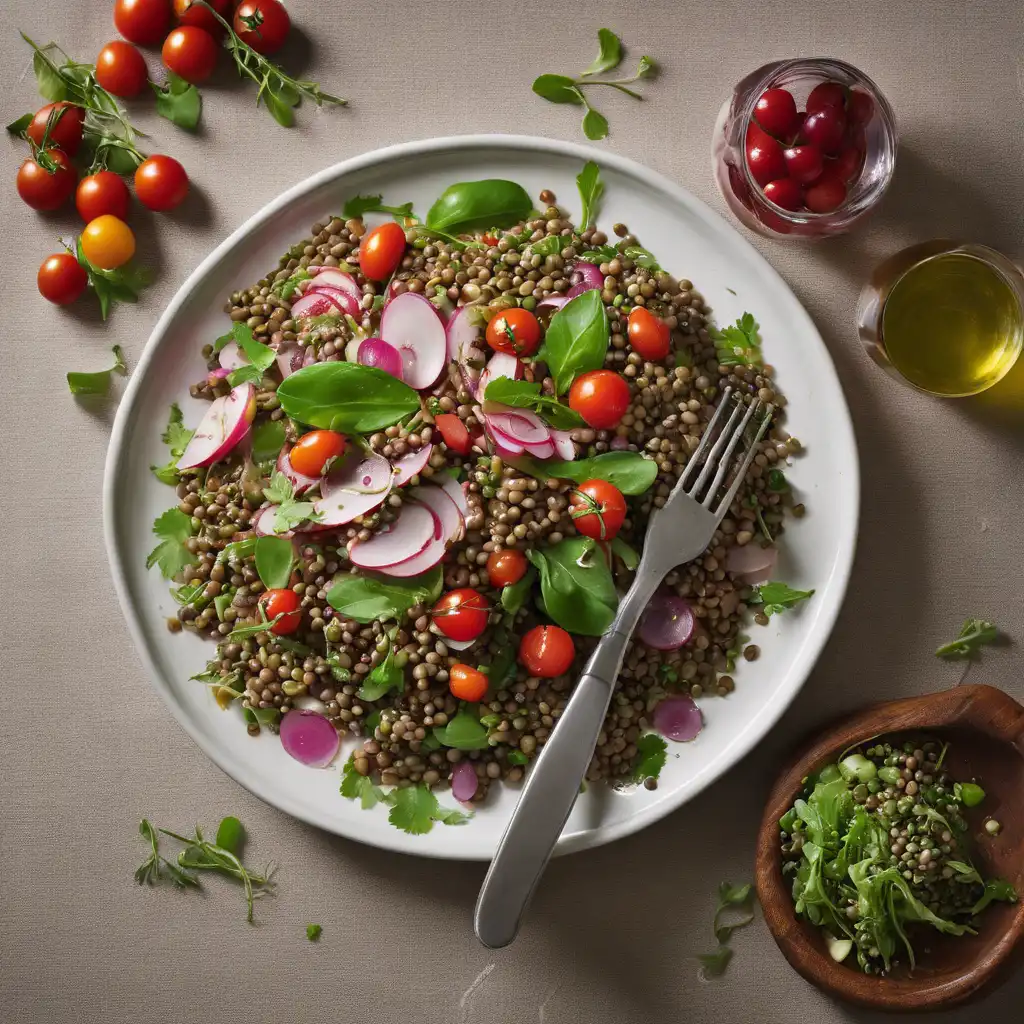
[
  {"x": 144, "y": 22},
  {"x": 65, "y": 131},
  {"x": 100, "y": 193},
  {"x": 188, "y": 12},
  {"x": 454, "y": 432},
  {"x": 161, "y": 183},
  {"x": 461, "y": 614},
  {"x": 285, "y": 603},
  {"x": 312, "y": 451},
  {"x": 46, "y": 180},
  {"x": 381, "y": 250},
  {"x": 467, "y": 683},
  {"x": 649, "y": 335},
  {"x": 506, "y": 567},
  {"x": 601, "y": 397},
  {"x": 121, "y": 69},
  {"x": 515, "y": 331},
  {"x": 547, "y": 651},
  {"x": 61, "y": 278},
  {"x": 108, "y": 242},
  {"x": 263, "y": 24},
  {"x": 191, "y": 53},
  {"x": 597, "y": 509}
]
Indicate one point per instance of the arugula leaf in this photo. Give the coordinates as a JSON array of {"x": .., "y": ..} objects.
[
  {"x": 367, "y": 598},
  {"x": 360, "y": 787},
  {"x": 777, "y": 597},
  {"x": 523, "y": 394},
  {"x": 415, "y": 809},
  {"x": 261, "y": 357},
  {"x": 995, "y": 889},
  {"x": 631, "y": 472},
  {"x": 651, "y": 755},
  {"x": 267, "y": 440},
  {"x": 383, "y": 678},
  {"x": 274, "y": 559},
  {"x": 609, "y": 55},
  {"x": 740, "y": 344},
  {"x": 173, "y": 528},
  {"x": 733, "y": 897},
  {"x": 463, "y": 732},
  {"x": 179, "y": 101},
  {"x": 97, "y": 383},
  {"x": 313, "y": 932},
  {"x": 358, "y": 206},
  {"x": 576, "y": 339},
  {"x": 120, "y": 285},
  {"x": 972, "y": 636},
  {"x": 591, "y": 188},
  {"x": 576, "y": 585},
  {"x": 514, "y": 595}
]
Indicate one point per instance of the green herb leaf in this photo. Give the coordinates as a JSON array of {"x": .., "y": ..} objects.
[
  {"x": 973, "y": 635},
  {"x": 109, "y": 286},
  {"x": 176, "y": 437},
  {"x": 631, "y": 472},
  {"x": 463, "y": 732},
  {"x": 267, "y": 440},
  {"x": 576, "y": 585},
  {"x": 479, "y": 205},
  {"x": 259, "y": 716},
  {"x": 549, "y": 245},
  {"x": 715, "y": 963},
  {"x": 777, "y": 597},
  {"x": 383, "y": 678},
  {"x": 514, "y": 595},
  {"x": 279, "y": 490},
  {"x": 287, "y": 288},
  {"x": 97, "y": 383},
  {"x": 274, "y": 559},
  {"x": 261, "y": 357},
  {"x": 576, "y": 340},
  {"x": 640, "y": 256},
  {"x": 523, "y": 394},
  {"x": 591, "y": 188},
  {"x": 237, "y": 551},
  {"x": 609, "y": 55},
  {"x": 313, "y": 932},
  {"x": 346, "y": 397},
  {"x": 651, "y": 755},
  {"x": 179, "y": 101},
  {"x": 231, "y": 835},
  {"x": 557, "y": 89},
  {"x": 19, "y": 128},
  {"x": 630, "y": 559},
  {"x": 777, "y": 482},
  {"x": 740, "y": 344},
  {"x": 369, "y": 598},
  {"x": 358, "y": 206},
  {"x": 51, "y": 85},
  {"x": 360, "y": 787},
  {"x": 733, "y": 897},
  {"x": 995, "y": 889},
  {"x": 595, "y": 125},
  {"x": 173, "y": 528},
  {"x": 517, "y": 757},
  {"x": 415, "y": 809}
]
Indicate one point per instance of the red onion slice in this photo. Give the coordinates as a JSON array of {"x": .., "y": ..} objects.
[
  {"x": 586, "y": 273},
  {"x": 552, "y": 302},
  {"x": 668, "y": 623},
  {"x": 464, "y": 781},
  {"x": 378, "y": 353},
  {"x": 309, "y": 738},
  {"x": 678, "y": 718}
]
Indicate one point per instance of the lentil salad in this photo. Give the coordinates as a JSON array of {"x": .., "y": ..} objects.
[{"x": 373, "y": 654}]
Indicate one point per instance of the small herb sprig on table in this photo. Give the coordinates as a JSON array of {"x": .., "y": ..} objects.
[
  {"x": 737, "y": 903},
  {"x": 973, "y": 635}
]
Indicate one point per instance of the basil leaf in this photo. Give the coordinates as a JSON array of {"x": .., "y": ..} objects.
[
  {"x": 367, "y": 598},
  {"x": 514, "y": 595},
  {"x": 274, "y": 559},
  {"x": 631, "y": 472},
  {"x": 576, "y": 585},
  {"x": 346, "y": 397},
  {"x": 478, "y": 205},
  {"x": 609, "y": 55},
  {"x": 591, "y": 188},
  {"x": 524, "y": 395},
  {"x": 383, "y": 678},
  {"x": 179, "y": 101},
  {"x": 595, "y": 125},
  {"x": 557, "y": 89},
  {"x": 463, "y": 732},
  {"x": 576, "y": 340},
  {"x": 267, "y": 440},
  {"x": 19, "y": 128},
  {"x": 630, "y": 559},
  {"x": 280, "y": 110}
]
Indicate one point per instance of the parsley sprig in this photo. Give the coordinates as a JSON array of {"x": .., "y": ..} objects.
[
  {"x": 972, "y": 636},
  {"x": 739, "y": 344},
  {"x": 176, "y": 437},
  {"x": 289, "y": 513},
  {"x": 735, "y": 910},
  {"x": 777, "y": 597}
]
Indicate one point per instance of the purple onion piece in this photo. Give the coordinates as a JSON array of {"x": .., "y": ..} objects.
[{"x": 678, "y": 718}]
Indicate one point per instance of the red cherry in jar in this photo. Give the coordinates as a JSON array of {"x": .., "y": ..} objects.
[
  {"x": 775, "y": 112},
  {"x": 764, "y": 156},
  {"x": 825, "y": 129},
  {"x": 827, "y": 194},
  {"x": 861, "y": 107},
  {"x": 804, "y": 164},
  {"x": 784, "y": 192},
  {"x": 847, "y": 165},
  {"x": 825, "y": 95}
]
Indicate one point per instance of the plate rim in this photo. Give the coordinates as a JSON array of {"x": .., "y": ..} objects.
[{"x": 743, "y": 742}]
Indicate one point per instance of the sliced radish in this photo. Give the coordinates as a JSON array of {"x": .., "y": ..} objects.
[
  {"x": 408, "y": 466},
  {"x": 299, "y": 481},
  {"x": 342, "y": 297},
  {"x": 544, "y": 450},
  {"x": 501, "y": 364},
  {"x": 504, "y": 443},
  {"x": 443, "y": 505},
  {"x": 231, "y": 357},
  {"x": 219, "y": 374},
  {"x": 457, "y": 645},
  {"x": 411, "y": 324},
  {"x": 335, "y": 279},
  {"x": 565, "y": 448},
  {"x": 264, "y": 526},
  {"x": 667, "y": 623},
  {"x": 377, "y": 352},
  {"x": 226, "y": 422},
  {"x": 751, "y": 562},
  {"x": 289, "y": 359},
  {"x": 454, "y": 491},
  {"x": 316, "y": 304},
  {"x": 358, "y": 486},
  {"x": 426, "y": 559},
  {"x": 462, "y": 334},
  {"x": 415, "y": 529},
  {"x": 520, "y": 424}
]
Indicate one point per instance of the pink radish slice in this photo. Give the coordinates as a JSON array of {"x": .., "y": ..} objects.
[
  {"x": 461, "y": 334},
  {"x": 219, "y": 374},
  {"x": 377, "y": 352},
  {"x": 226, "y": 422},
  {"x": 565, "y": 448},
  {"x": 335, "y": 278},
  {"x": 309, "y": 738},
  {"x": 585, "y": 277},
  {"x": 411, "y": 324},
  {"x": 342, "y": 297},
  {"x": 552, "y": 303},
  {"x": 454, "y": 491},
  {"x": 316, "y": 304},
  {"x": 443, "y": 506},
  {"x": 299, "y": 481},
  {"x": 678, "y": 718},
  {"x": 414, "y": 530},
  {"x": 231, "y": 357},
  {"x": 457, "y": 645},
  {"x": 354, "y": 488},
  {"x": 406, "y": 467},
  {"x": 309, "y": 356},
  {"x": 263, "y": 524},
  {"x": 504, "y": 444},
  {"x": 426, "y": 559},
  {"x": 751, "y": 562},
  {"x": 289, "y": 359},
  {"x": 619, "y": 444},
  {"x": 501, "y": 364},
  {"x": 521, "y": 425},
  {"x": 667, "y": 623},
  {"x": 464, "y": 781},
  {"x": 545, "y": 450}
]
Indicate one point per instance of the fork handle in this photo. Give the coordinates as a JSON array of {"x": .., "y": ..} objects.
[{"x": 554, "y": 782}]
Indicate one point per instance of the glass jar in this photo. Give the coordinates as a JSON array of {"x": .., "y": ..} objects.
[{"x": 871, "y": 131}]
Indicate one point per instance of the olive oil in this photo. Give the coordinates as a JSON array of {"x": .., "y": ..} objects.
[{"x": 952, "y": 325}]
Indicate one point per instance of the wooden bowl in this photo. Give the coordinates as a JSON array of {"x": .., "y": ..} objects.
[{"x": 986, "y": 731}]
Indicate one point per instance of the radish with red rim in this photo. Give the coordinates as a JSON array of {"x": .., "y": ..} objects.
[
  {"x": 226, "y": 422},
  {"x": 410, "y": 465},
  {"x": 411, "y": 324},
  {"x": 377, "y": 352},
  {"x": 300, "y": 481},
  {"x": 335, "y": 278},
  {"x": 444, "y": 507},
  {"x": 416, "y": 528},
  {"x": 343, "y": 298},
  {"x": 751, "y": 562},
  {"x": 318, "y": 304},
  {"x": 231, "y": 357},
  {"x": 454, "y": 491}
]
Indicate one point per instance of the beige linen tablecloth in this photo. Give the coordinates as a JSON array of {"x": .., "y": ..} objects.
[{"x": 86, "y": 745}]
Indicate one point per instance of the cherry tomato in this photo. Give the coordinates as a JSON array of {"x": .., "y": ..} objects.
[
  {"x": 191, "y": 53},
  {"x": 597, "y": 509},
  {"x": 66, "y": 130},
  {"x": 161, "y": 183},
  {"x": 804, "y": 164},
  {"x": 144, "y": 22},
  {"x": 601, "y": 397},
  {"x": 43, "y": 189},
  {"x": 826, "y": 194},
  {"x": 775, "y": 112},
  {"x": 764, "y": 156},
  {"x": 285, "y": 603},
  {"x": 381, "y": 251},
  {"x": 107, "y": 242},
  {"x": 454, "y": 432},
  {"x": 100, "y": 193},
  {"x": 506, "y": 567},
  {"x": 461, "y": 614},
  {"x": 188, "y": 12},
  {"x": 263, "y": 24},
  {"x": 61, "y": 278},
  {"x": 848, "y": 164},
  {"x": 825, "y": 129},
  {"x": 311, "y": 452},
  {"x": 649, "y": 336},
  {"x": 121, "y": 69},
  {"x": 489, "y": 239},
  {"x": 547, "y": 651},
  {"x": 862, "y": 107},
  {"x": 826, "y": 94},
  {"x": 784, "y": 192},
  {"x": 467, "y": 683},
  {"x": 515, "y": 331}
]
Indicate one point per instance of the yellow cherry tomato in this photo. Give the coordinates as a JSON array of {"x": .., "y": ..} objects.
[{"x": 108, "y": 242}]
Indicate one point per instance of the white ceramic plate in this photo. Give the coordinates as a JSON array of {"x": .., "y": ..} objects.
[{"x": 690, "y": 241}]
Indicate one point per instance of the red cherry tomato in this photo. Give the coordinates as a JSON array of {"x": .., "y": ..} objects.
[
  {"x": 826, "y": 194},
  {"x": 310, "y": 453},
  {"x": 161, "y": 183},
  {"x": 775, "y": 112},
  {"x": 514, "y": 331},
  {"x": 862, "y": 107},
  {"x": 381, "y": 250},
  {"x": 506, "y": 567},
  {"x": 188, "y": 12},
  {"x": 467, "y": 683},
  {"x": 101, "y": 193},
  {"x": 285, "y": 603},
  {"x": 597, "y": 509},
  {"x": 454, "y": 432},
  {"x": 191, "y": 53},
  {"x": 826, "y": 94},
  {"x": 825, "y": 129},
  {"x": 547, "y": 651},
  {"x": 121, "y": 69},
  {"x": 65, "y": 131},
  {"x": 61, "y": 278},
  {"x": 263, "y": 24},
  {"x": 764, "y": 156},
  {"x": 649, "y": 336},
  {"x": 804, "y": 164},
  {"x": 784, "y": 192},
  {"x": 461, "y": 614},
  {"x": 43, "y": 189},
  {"x": 144, "y": 22},
  {"x": 848, "y": 164},
  {"x": 601, "y": 397},
  {"x": 489, "y": 239}
]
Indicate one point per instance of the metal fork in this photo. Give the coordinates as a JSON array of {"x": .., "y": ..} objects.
[{"x": 678, "y": 532}]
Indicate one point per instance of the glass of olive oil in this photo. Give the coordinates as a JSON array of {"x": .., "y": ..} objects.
[{"x": 946, "y": 317}]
